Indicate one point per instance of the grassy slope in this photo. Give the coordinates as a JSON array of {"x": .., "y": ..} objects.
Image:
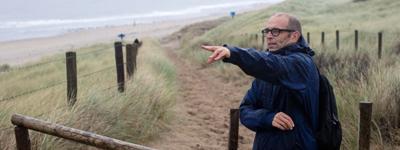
[
  {"x": 356, "y": 75},
  {"x": 136, "y": 115}
]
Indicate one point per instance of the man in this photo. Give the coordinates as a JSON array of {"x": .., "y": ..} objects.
[{"x": 282, "y": 104}]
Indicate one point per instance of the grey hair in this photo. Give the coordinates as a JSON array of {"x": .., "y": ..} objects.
[{"x": 294, "y": 23}]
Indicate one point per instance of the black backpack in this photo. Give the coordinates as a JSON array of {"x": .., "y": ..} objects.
[{"x": 329, "y": 132}]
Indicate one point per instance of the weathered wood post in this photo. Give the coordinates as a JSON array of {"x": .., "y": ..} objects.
[
  {"x": 22, "y": 138},
  {"x": 263, "y": 42},
  {"x": 308, "y": 37},
  {"x": 129, "y": 60},
  {"x": 234, "y": 129},
  {"x": 251, "y": 40},
  {"x": 356, "y": 39},
  {"x": 138, "y": 42},
  {"x": 120, "y": 66},
  {"x": 72, "y": 81},
  {"x": 364, "y": 133},
  {"x": 255, "y": 41},
  {"x": 379, "y": 45},
  {"x": 135, "y": 54},
  {"x": 323, "y": 39},
  {"x": 397, "y": 112},
  {"x": 337, "y": 40},
  {"x": 256, "y": 38}
]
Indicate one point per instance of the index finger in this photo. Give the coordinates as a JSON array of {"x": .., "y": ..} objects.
[{"x": 209, "y": 48}]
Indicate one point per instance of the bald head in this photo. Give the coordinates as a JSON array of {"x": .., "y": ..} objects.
[
  {"x": 287, "y": 31},
  {"x": 292, "y": 22}
]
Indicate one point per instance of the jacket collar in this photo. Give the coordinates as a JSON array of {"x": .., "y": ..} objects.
[{"x": 300, "y": 46}]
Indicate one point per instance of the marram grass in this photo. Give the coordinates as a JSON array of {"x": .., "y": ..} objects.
[{"x": 137, "y": 115}]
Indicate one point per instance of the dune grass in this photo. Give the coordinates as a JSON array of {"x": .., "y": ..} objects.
[
  {"x": 137, "y": 115},
  {"x": 356, "y": 75}
]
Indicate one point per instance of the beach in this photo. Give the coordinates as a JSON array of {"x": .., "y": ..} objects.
[
  {"x": 23, "y": 51},
  {"x": 20, "y": 51}
]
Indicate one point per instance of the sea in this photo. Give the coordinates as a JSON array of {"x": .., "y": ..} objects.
[{"x": 24, "y": 19}]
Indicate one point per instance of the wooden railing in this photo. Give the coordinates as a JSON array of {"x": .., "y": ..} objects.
[{"x": 24, "y": 123}]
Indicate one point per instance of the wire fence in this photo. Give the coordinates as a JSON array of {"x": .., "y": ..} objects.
[
  {"x": 95, "y": 51},
  {"x": 47, "y": 62},
  {"x": 111, "y": 95},
  {"x": 23, "y": 68},
  {"x": 103, "y": 50},
  {"x": 96, "y": 72},
  {"x": 58, "y": 83},
  {"x": 108, "y": 92},
  {"x": 107, "y": 89},
  {"x": 31, "y": 91},
  {"x": 53, "y": 85}
]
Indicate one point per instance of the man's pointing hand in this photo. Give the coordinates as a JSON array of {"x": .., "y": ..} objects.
[{"x": 218, "y": 53}]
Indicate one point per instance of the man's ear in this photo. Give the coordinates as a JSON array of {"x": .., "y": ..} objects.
[{"x": 295, "y": 36}]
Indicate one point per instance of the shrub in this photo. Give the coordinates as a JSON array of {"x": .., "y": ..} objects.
[{"x": 4, "y": 67}]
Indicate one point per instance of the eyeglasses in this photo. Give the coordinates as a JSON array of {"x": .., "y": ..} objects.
[{"x": 275, "y": 31}]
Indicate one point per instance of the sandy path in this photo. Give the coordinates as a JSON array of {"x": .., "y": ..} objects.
[{"x": 202, "y": 110}]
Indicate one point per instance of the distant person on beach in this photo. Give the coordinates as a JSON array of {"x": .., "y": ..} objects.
[{"x": 282, "y": 104}]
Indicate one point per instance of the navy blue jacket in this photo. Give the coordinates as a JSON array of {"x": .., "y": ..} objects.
[{"x": 286, "y": 81}]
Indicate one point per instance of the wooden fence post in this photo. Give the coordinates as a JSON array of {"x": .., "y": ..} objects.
[
  {"x": 251, "y": 40},
  {"x": 398, "y": 113},
  {"x": 337, "y": 40},
  {"x": 129, "y": 60},
  {"x": 379, "y": 45},
  {"x": 22, "y": 138},
  {"x": 263, "y": 42},
  {"x": 119, "y": 61},
  {"x": 256, "y": 38},
  {"x": 234, "y": 129},
  {"x": 139, "y": 43},
  {"x": 135, "y": 53},
  {"x": 323, "y": 39},
  {"x": 356, "y": 39},
  {"x": 364, "y": 132},
  {"x": 72, "y": 81},
  {"x": 308, "y": 37}
]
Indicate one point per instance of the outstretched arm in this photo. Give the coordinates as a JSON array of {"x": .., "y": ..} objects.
[
  {"x": 291, "y": 71},
  {"x": 252, "y": 62}
]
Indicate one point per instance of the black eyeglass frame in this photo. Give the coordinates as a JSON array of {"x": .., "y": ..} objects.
[{"x": 276, "y": 31}]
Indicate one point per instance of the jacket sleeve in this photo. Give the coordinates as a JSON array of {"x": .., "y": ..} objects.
[
  {"x": 289, "y": 71},
  {"x": 252, "y": 114}
]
